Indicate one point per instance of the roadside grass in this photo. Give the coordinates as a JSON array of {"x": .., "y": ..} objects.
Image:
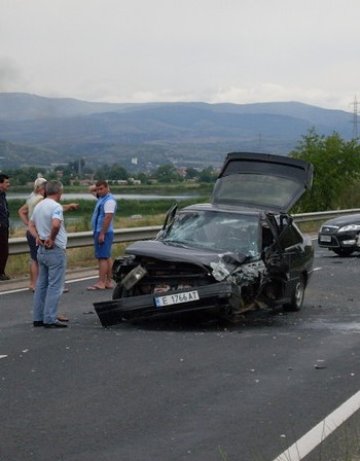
[{"x": 310, "y": 227}]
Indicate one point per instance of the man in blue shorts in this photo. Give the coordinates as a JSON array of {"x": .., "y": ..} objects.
[{"x": 103, "y": 232}]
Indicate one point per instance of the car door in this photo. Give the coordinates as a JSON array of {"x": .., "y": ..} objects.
[{"x": 294, "y": 252}]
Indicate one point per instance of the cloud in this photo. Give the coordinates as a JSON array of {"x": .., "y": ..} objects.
[
  {"x": 9, "y": 74},
  {"x": 205, "y": 50}
]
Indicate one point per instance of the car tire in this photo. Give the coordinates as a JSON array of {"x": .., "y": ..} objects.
[
  {"x": 343, "y": 251},
  {"x": 297, "y": 297}
]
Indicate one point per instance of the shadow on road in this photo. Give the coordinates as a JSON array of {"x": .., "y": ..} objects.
[{"x": 202, "y": 322}]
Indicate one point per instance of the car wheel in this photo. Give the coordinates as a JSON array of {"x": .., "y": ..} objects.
[
  {"x": 297, "y": 296},
  {"x": 343, "y": 251}
]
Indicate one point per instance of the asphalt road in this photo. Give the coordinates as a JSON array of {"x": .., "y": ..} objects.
[{"x": 180, "y": 389}]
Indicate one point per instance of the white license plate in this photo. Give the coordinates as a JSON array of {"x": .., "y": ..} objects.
[
  {"x": 176, "y": 298},
  {"x": 325, "y": 238}
]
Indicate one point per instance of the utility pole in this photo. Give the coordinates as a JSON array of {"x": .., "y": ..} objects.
[{"x": 79, "y": 168}]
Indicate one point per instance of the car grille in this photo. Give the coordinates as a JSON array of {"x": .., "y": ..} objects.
[
  {"x": 162, "y": 277},
  {"x": 334, "y": 243},
  {"x": 174, "y": 272}
]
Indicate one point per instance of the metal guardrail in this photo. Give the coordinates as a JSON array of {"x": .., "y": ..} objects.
[
  {"x": 19, "y": 245},
  {"x": 323, "y": 215}
]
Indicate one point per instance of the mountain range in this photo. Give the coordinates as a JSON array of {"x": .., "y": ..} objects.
[{"x": 40, "y": 131}]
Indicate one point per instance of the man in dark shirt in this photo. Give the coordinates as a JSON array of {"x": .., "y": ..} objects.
[{"x": 4, "y": 225}]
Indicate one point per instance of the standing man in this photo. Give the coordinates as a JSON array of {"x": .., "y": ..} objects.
[
  {"x": 24, "y": 213},
  {"x": 103, "y": 232},
  {"x": 47, "y": 226},
  {"x": 4, "y": 226}
]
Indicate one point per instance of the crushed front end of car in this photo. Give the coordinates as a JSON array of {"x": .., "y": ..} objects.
[
  {"x": 151, "y": 287},
  {"x": 181, "y": 271}
]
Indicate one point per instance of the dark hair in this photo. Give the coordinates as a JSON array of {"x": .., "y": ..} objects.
[
  {"x": 3, "y": 176},
  {"x": 101, "y": 182}
]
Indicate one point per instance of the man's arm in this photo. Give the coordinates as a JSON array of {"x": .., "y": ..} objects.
[
  {"x": 32, "y": 230},
  {"x": 70, "y": 207},
  {"x": 23, "y": 213},
  {"x": 55, "y": 227},
  {"x": 105, "y": 226}
]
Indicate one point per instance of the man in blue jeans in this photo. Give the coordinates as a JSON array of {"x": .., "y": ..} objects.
[
  {"x": 103, "y": 232},
  {"x": 47, "y": 226}
]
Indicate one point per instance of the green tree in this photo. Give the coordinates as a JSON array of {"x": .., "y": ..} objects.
[
  {"x": 20, "y": 177},
  {"x": 118, "y": 172},
  {"x": 142, "y": 177},
  {"x": 112, "y": 172},
  {"x": 167, "y": 173},
  {"x": 191, "y": 173},
  {"x": 336, "y": 166},
  {"x": 208, "y": 175}
]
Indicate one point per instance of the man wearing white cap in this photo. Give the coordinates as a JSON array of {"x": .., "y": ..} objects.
[{"x": 25, "y": 213}]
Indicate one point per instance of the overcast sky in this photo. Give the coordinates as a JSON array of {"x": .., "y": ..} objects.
[{"x": 240, "y": 51}]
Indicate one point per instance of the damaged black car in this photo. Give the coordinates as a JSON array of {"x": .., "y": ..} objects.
[{"x": 240, "y": 252}]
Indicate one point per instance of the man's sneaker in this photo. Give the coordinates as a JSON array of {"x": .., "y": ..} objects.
[
  {"x": 38, "y": 323},
  {"x": 55, "y": 325},
  {"x": 4, "y": 277}
]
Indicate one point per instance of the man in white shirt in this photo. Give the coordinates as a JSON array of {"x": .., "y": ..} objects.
[{"x": 47, "y": 226}]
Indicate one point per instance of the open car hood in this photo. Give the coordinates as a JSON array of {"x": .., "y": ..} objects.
[{"x": 262, "y": 181}]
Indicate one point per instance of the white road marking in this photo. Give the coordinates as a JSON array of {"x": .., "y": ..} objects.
[
  {"x": 83, "y": 279},
  {"x": 318, "y": 434},
  {"x": 317, "y": 269},
  {"x": 19, "y": 290}
]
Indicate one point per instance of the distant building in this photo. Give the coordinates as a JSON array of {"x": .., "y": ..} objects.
[{"x": 134, "y": 181}]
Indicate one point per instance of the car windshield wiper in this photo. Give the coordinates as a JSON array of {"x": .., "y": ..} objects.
[{"x": 176, "y": 243}]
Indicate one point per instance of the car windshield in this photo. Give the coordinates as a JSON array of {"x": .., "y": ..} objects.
[{"x": 218, "y": 231}]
